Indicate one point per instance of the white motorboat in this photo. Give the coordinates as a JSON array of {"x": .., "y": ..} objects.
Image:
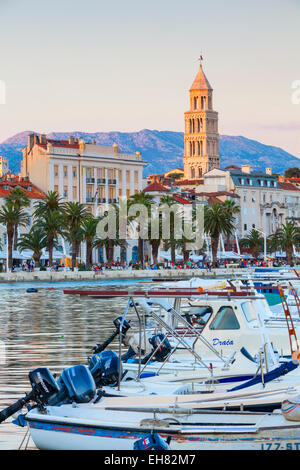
[{"x": 184, "y": 423}]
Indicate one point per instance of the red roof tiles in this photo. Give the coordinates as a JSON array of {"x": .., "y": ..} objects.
[
  {"x": 7, "y": 185},
  {"x": 155, "y": 187}
]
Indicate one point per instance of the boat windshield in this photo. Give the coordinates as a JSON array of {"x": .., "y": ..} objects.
[
  {"x": 225, "y": 320},
  {"x": 248, "y": 311}
]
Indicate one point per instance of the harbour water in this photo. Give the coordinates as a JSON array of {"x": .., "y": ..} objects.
[{"x": 49, "y": 329}]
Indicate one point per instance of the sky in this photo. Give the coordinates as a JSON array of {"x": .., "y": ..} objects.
[{"x": 90, "y": 66}]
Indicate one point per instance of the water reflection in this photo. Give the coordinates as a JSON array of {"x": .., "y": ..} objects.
[{"x": 51, "y": 329}]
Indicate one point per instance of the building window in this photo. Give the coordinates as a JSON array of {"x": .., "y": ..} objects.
[{"x": 245, "y": 226}]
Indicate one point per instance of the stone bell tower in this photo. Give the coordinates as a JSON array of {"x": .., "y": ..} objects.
[{"x": 201, "y": 138}]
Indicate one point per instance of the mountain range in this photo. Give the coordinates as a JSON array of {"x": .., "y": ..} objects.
[{"x": 163, "y": 150}]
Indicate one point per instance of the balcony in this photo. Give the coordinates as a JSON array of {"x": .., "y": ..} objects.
[
  {"x": 90, "y": 180},
  {"x": 101, "y": 181},
  {"x": 112, "y": 181}
]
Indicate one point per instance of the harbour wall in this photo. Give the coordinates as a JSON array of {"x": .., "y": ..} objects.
[{"x": 162, "y": 274}]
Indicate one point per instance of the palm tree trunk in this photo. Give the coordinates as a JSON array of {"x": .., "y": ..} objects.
[
  {"x": 173, "y": 253},
  {"x": 214, "y": 249},
  {"x": 186, "y": 255},
  {"x": 110, "y": 251},
  {"x": 15, "y": 237},
  {"x": 123, "y": 252},
  {"x": 74, "y": 254},
  {"x": 155, "y": 247},
  {"x": 88, "y": 260},
  {"x": 50, "y": 251},
  {"x": 289, "y": 254},
  {"x": 10, "y": 236}
]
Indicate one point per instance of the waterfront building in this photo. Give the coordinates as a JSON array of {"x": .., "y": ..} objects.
[
  {"x": 82, "y": 171},
  {"x": 9, "y": 182},
  {"x": 265, "y": 203}
]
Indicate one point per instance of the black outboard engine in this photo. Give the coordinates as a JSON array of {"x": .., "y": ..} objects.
[
  {"x": 76, "y": 385},
  {"x": 105, "y": 368},
  {"x": 44, "y": 387},
  {"x": 117, "y": 322},
  {"x": 161, "y": 346}
]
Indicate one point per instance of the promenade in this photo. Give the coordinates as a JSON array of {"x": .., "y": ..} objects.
[{"x": 114, "y": 274}]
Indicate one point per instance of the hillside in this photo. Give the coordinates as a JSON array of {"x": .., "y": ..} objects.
[{"x": 163, "y": 150}]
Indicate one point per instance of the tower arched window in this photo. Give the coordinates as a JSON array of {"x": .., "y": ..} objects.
[
  {"x": 201, "y": 148},
  {"x": 201, "y": 125},
  {"x": 191, "y": 149},
  {"x": 192, "y": 173},
  {"x": 198, "y": 148}
]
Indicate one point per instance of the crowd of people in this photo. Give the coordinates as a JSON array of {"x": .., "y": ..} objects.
[{"x": 29, "y": 266}]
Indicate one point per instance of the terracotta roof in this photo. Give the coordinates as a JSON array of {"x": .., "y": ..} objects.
[
  {"x": 213, "y": 199},
  {"x": 288, "y": 186},
  {"x": 200, "y": 82},
  {"x": 155, "y": 187},
  {"x": 34, "y": 193},
  {"x": 59, "y": 143},
  {"x": 186, "y": 182},
  {"x": 181, "y": 199},
  {"x": 218, "y": 193}
]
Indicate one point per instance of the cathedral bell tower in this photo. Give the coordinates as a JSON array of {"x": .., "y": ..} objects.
[{"x": 201, "y": 138}]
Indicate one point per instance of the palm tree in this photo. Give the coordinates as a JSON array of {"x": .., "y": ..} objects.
[
  {"x": 52, "y": 202},
  {"x": 155, "y": 239},
  {"x": 48, "y": 215},
  {"x": 52, "y": 225},
  {"x": 19, "y": 199},
  {"x": 145, "y": 200},
  {"x": 217, "y": 221},
  {"x": 254, "y": 242},
  {"x": 233, "y": 210},
  {"x": 172, "y": 242},
  {"x": 121, "y": 211},
  {"x": 89, "y": 227},
  {"x": 75, "y": 213},
  {"x": 34, "y": 240},
  {"x": 10, "y": 216},
  {"x": 287, "y": 237}
]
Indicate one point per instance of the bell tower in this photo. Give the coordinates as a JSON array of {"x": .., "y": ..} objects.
[{"x": 201, "y": 138}]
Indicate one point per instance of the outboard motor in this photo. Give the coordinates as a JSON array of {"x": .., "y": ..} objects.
[
  {"x": 105, "y": 368},
  {"x": 152, "y": 442},
  {"x": 162, "y": 346},
  {"x": 44, "y": 387},
  {"x": 76, "y": 385},
  {"x": 117, "y": 322}
]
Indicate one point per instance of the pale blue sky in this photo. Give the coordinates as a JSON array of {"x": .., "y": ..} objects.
[{"x": 95, "y": 65}]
